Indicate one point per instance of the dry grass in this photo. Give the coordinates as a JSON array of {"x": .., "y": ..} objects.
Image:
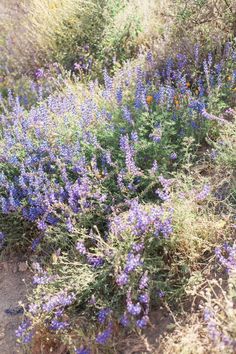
[
  {"x": 190, "y": 338},
  {"x": 197, "y": 229},
  {"x": 37, "y": 31},
  {"x": 30, "y": 28}
]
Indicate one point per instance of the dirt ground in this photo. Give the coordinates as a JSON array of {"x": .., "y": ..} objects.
[{"x": 14, "y": 281}]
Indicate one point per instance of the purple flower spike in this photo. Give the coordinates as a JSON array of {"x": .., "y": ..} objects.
[
  {"x": 173, "y": 156},
  {"x": 204, "y": 193},
  {"x": 103, "y": 314},
  {"x": 144, "y": 298},
  {"x": 58, "y": 325},
  {"x": 81, "y": 248},
  {"x": 144, "y": 281},
  {"x": 124, "y": 321},
  {"x": 133, "y": 261},
  {"x": 82, "y": 350},
  {"x": 134, "y": 310},
  {"x": 2, "y": 239},
  {"x": 142, "y": 323},
  {"x": 103, "y": 337},
  {"x": 23, "y": 332},
  {"x": 122, "y": 279}
]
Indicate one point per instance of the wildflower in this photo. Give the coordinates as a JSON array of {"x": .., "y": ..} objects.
[
  {"x": 196, "y": 53},
  {"x": 149, "y": 58},
  {"x": 41, "y": 224},
  {"x": 143, "y": 283},
  {"x": 226, "y": 255},
  {"x": 173, "y": 156},
  {"x": 163, "y": 195},
  {"x": 144, "y": 298},
  {"x": 134, "y": 136},
  {"x": 182, "y": 60},
  {"x": 138, "y": 247},
  {"x": 218, "y": 68},
  {"x": 23, "y": 332},
  {"x": 69, "y": 225},
  {"x": 228, "y": 341},
  {"x": 194, "y": 124},
  {"x": 33, "y": 308},
  {"x": 43, "y": 279},
  {"x": 134, "y": 309},
  {"x": 204, "y": 193},
  {"x": 58, "y": 325},
  {"x": 160, "y": 293},
  {"x": 154, "y": 167},
  {"x": 176, "y": 103},
  {"x": 2, "y": 239},
  {"x": 197, "y": 106},
  {"x": 210, "y": 60},
  {"x": 77, "y": 66},
  {"x": 61, "y": 299},
  {"x": 36, "y": 242},
  {"x": 166, "y": 183},
  {"x": 82, "y": 350},
  {"x": 128, "y": 150},
  {"x": 142, "y": 323},
  {"x": 137, "y": 180},
  {"x": 132, "y": 262},
  {"x": 169, "y": 67},
  {"x": 140, "y": 92},
  {"x": 108, "y": 158},
  {"x": 156, "y": 134},
  {"x": 119, "y": 95},
  {"x": 213, "y": 154},
  {"x": 127, "y": 114},
  {"x": 39, "y": 73},
  {"x": 94, "y": 261},
  {"x": 206, "y": 69},
  {"x": 211, "y": 324},
  {"x": 102, "y": 315},
  {"x": 149, "y": 100},
  {"x": 124, "y": 320},
  {"x": 122, "y": 279},
  {"x": 108, "y": 84},
  {"x": 81, "y": 248},
  {"x": 103, "y": 337}
]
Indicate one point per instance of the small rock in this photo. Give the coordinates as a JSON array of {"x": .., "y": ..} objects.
[
  {"x": 2, "y": 335},
  {"x": 5, "y": 266},
  {"x": 22, "y": 266},
  {"x": 14, "y": 268}
]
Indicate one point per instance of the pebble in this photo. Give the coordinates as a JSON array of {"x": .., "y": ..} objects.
[{"x": 22, "y": 266}]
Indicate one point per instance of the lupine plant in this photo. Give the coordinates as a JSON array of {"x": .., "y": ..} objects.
[{"x": 92, "y": 177}]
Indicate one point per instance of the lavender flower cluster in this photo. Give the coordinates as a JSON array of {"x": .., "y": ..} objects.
[
  {"x": 226, "y": 256},
  {"x": 24, "y": 333},
  {"x": 141, "y": 222},
  {"x": 221, "y": 339}
]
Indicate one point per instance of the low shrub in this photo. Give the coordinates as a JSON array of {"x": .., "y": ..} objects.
[{"x": 101, "y": 198}]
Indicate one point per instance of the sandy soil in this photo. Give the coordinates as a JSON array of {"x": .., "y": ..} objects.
[{"x": 14, "y": 278}]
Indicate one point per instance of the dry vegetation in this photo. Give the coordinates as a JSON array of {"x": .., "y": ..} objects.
[{"x": 118, "y": 173}]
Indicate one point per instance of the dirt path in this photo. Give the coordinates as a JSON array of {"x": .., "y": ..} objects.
[{"x": 14, "y": 278}]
